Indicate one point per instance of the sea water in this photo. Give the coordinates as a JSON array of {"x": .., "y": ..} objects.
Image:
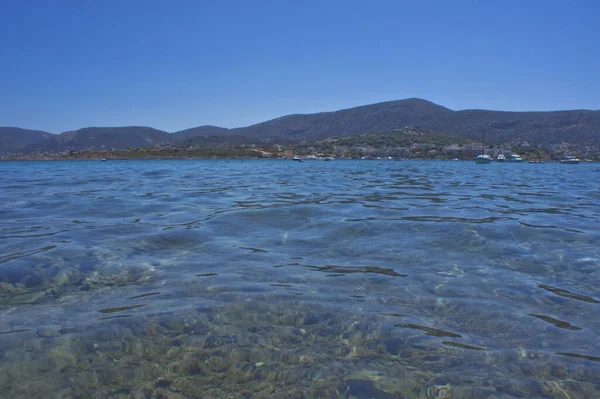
[{"x": 280, "y": 279}]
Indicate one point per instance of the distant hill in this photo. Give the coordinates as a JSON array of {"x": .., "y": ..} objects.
[
  {"x": 97, "y": 138},
  {"x": 14, "y": 139},
  {"x": 206, "y": 130},
  {"x": 348, "y": 122},
  {"x": 577, "y": 129}
]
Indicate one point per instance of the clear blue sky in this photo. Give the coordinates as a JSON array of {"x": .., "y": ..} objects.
[{"x": 68, "y": 64}]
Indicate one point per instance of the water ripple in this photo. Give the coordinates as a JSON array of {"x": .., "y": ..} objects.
[{"x": 314, "y": 279}]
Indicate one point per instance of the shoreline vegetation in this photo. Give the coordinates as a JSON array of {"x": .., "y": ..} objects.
[
  {"x": 237, "y": 154},
  {"x": 400, "y": 144},
  {"x": 151, "y": 154}
]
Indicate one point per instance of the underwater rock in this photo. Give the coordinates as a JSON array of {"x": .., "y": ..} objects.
[
  {"x": 49, "y": 331},
  {"x": 62, "y": 277},
  {"x": 16, "y": 275},
  {"x": 6, "y": 288},
  {"x": 393, "y": 346},
  {"x": 367, "y": 389},
  {"x": 137, "y": 394},
  {"x": 174, "y": 325}
]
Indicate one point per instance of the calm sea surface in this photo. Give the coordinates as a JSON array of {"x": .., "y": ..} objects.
[{"x": 280, "y": 279}]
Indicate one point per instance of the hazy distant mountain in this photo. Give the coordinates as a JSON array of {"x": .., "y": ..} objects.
[
  {"x": 14, "y": 139},
  {"x": 348, "y": 122},
  {"x": 102, "y": 138},
  {"x": 578, "y": 127},
  {"x": 199, "y": 131}
]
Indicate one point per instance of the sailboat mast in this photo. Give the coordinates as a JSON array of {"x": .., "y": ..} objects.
[
  {"x": 483, "y": 140},
  {"x": 483, "y": 158}
]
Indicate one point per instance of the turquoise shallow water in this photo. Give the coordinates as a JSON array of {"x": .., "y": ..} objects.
[{"x": 342, "y": 279}]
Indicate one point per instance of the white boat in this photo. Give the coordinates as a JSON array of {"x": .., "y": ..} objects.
[
  {"x": 514, "y": 158},
  {"x": 483, "y": 158},
  {"x": 500, "y": 158},
  {"x": 570, "y": 159}
]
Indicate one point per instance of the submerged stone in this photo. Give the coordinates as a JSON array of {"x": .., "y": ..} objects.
[{"x": 49, "y": 331}]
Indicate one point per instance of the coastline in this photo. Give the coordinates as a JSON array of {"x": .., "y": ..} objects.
[
  {"x": 166, "y": 154},
  {"x": 217, "y": 153}
]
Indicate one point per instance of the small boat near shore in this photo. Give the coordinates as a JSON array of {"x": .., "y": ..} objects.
[
  {"x": 500, "y": 158},
  {"x": 570, "y": 160},
  {"x": 516, "y": 158},
  {"x": 483, "y": 158}
]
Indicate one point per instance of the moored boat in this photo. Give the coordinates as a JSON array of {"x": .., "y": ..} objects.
[
  {"x": 514, "y": 158},
  {"x": 483, "y": 157},
  {"x": 570, "y": 159}
]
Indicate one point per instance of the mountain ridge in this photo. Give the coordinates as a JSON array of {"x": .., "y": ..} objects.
[
  {"x": 574, "y": 127},
  {"x": 16, "y": 138},
  {"x": 101, "y": 138}
]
